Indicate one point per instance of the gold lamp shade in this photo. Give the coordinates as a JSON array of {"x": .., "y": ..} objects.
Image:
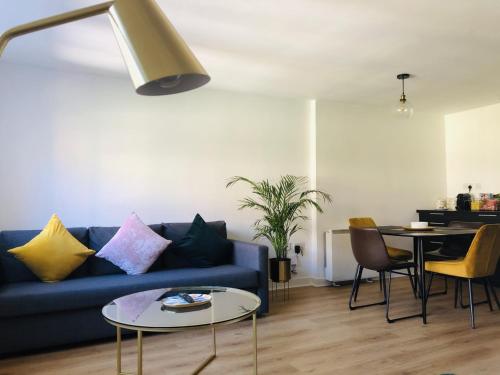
[{"x": 158, "y": 60}]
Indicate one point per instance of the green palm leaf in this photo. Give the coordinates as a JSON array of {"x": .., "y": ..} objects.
[{"x": 282, "y": 205}]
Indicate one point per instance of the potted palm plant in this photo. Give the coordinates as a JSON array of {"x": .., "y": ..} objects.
[{"x": 282, "y": 206}]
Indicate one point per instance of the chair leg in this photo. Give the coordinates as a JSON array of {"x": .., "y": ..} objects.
[
  {"x": 456, "y": 292},
  {"x": 430, "y": 284},
  {"x": 461, "y": 295},
  {"x": 494, "y": 292},
  {"x": 471, "y": 304},
  {"x": 360, "y": 273},
  {"x": 413, "y": 284},
  {"x": 387, "y": 295},
  {"x": 380, "y": 281},
  {"x": 444, "y": 291},
  {"x": 354, "y": 292},
  {"x": 488, "y": 298},
  {"x": 354, "y": 287}
]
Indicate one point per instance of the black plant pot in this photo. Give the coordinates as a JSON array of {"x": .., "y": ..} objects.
[{"x": 280, "y": 270}]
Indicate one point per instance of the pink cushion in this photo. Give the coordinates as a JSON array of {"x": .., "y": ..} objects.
[{"x": 135, "y": 247}]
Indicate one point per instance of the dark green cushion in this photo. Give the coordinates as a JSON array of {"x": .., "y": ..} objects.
[{"x": 202, "y": 246}]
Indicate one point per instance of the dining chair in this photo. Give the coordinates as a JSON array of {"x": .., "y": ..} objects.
[
  {"x": 394, "y": 253},
  {"x": 371, "y": 253},
  {"x": 479, "y": 264},
  {"x": 453, "y": 248}
]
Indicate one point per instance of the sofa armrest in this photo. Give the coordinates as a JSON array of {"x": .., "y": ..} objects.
[{"x": 256, "y": 257}]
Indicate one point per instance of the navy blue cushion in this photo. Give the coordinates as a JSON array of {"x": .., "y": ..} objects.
[
  {"x": 202, "y": 246},
  {"x": 14, "y": 271},
  {"x": 37, "y": 297},
  {"x": 100, "y": 236}
]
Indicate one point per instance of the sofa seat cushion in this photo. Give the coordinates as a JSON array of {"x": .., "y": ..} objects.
[{"x": 28, "y": 298}]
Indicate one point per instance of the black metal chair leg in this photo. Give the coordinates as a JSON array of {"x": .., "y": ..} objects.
[
  {"x": 360, "y": 273},
  {"x": 461, "y": 296},
  {"x": 471, "y": 304},
  {"x": 413, "y": 284},
  {"x": 488, "y": 298},
  {"x": 387, "y": 295},
  {"x": 444, "y": 291},
  {"x": 380, "y": 281},
  {"x": 456, "y": 292},
  {"x": 494, "y": 292},
  {"x": 354, "y": 287},
  {"x": 430, "y": 284}
]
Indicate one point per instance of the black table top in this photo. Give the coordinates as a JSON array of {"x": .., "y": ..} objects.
[{"x": 436, "y": 232}]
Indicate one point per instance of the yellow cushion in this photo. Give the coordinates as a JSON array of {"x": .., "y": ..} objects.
[
  {"x": 54, "y": 253},
  {"x": 399, "y": 254},
  {"x": 449, "y": 267}
]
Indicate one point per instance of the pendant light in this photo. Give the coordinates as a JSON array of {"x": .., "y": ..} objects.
[{"x": 404, "y": 109}]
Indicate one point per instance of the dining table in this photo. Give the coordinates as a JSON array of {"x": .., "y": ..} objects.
[{"x": 419, "y": 236}]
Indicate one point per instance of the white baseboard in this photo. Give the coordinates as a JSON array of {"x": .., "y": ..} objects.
[
  {"x": 301, "y": 281},
  {"x": 298, "y": 281}
]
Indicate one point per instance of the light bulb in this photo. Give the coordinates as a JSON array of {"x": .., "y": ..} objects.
[
  {"x": 169, "y": 82},
  {"x": 404, "y": 109}
]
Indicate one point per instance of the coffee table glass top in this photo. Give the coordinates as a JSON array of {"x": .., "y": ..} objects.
[{"x": 145, "y": 311}]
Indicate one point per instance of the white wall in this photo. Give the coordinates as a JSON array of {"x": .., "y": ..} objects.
[
  {"x": 377, "y": 165},
  {"x": 472, "y": 150},
  {"x": 90, "y": 149}
]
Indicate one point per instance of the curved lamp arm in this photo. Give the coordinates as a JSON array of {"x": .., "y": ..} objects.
[
  {"x": 52, "y": 21},
  {"x": 157, "y": 58}
]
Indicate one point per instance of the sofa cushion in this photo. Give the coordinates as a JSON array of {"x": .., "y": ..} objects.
[
  {"x": 176, "y": 231},
  {"x": 100, "y": 236},
  {"x": 35, "y": 297},
  {"x": 54, "y": 254},
  {"x": 13, "y": 270},
  {"x": 202, "y": 246},
  {"x": 135, "y": 246}
]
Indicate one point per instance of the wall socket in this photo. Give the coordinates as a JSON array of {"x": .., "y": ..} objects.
[{"x": 296, "y": 248}]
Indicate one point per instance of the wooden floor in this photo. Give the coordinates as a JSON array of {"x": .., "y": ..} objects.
[{"x": 313, "y": 333}]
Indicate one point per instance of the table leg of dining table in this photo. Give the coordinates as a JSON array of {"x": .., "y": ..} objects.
[{"x": 421, "y": 266}]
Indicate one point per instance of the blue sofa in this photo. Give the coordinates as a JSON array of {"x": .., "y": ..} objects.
[{"x": 36, "y": 315}]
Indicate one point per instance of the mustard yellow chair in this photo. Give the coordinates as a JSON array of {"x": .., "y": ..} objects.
[
  {"x": 479, "y": 264},
  {"x": 394, "y": 253}
]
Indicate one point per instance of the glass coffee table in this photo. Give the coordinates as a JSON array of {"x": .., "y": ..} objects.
[{"x": 145, "y": 312}]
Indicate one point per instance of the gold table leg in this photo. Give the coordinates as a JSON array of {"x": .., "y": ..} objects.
[
  {"x": 210, "y": 358},
  {"x": 198, "y": 369},
  {"x": 139, "y": 352},
  {"x": 118, "y": 350}
]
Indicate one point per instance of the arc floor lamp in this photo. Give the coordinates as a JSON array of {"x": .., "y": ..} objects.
[{"x": 158, "y": 60}]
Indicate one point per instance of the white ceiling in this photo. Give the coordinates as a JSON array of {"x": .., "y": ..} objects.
[{"x": 345, "y": 50}]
